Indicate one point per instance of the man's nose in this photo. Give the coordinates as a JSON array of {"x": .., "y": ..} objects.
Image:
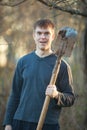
[{"x": 43, "y": 36}]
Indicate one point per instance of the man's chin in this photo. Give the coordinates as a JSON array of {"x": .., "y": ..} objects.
[{"x": 43, "y": 49}]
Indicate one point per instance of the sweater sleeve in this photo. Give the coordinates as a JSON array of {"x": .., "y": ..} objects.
[
  {"x": 66, "y": 94},
  {"x": 14, "y": 97}
]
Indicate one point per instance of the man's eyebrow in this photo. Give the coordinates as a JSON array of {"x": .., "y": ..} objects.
[
  {"x": 43, "y": 32},
  {"x": 47, "y": 32},
  {"x": 38, "y": 31}
]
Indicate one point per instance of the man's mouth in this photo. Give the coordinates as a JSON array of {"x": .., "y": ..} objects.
[{"x": 43, "y": 42}]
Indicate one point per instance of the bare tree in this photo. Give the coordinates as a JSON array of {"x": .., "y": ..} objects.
[{"x": 69, "y": 6}]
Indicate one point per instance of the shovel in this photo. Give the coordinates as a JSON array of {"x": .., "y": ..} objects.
[{"x": 66, "y": 40}]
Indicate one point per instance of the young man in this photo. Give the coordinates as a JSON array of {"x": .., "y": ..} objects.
[{"x": 31, "y": 84}]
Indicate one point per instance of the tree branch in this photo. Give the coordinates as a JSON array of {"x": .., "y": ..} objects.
[
  {"x": 11, "y": 3},
  {"x": 71, "y": 11},
  {"x": 51, "y": 4}
]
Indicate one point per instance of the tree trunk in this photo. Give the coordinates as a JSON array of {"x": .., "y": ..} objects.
[{"x": 85, "y": 70}]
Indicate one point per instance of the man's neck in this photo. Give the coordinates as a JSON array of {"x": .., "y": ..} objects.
[{"x": 42, "y": 53}]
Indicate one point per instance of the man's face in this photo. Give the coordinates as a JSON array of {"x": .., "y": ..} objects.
[{"x": 43, "y": 38}]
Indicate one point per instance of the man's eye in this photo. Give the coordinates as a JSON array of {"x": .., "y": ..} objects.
[
  {"x": 39, "y": 33},
  {"x": 47, "y": 33}
]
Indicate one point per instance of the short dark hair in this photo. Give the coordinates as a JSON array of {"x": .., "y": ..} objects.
[{"x": 44, "y": 23}]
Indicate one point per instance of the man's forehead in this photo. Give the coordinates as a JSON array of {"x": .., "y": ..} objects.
[{"x": 44, "y": 29}]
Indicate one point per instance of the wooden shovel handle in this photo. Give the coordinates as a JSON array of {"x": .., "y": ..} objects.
[
  {"x": 47, "y": 99},
  {"x": 43, "y": 113}
]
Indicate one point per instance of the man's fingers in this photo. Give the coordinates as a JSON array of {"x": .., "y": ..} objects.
[{"x": 51, "y": 91}]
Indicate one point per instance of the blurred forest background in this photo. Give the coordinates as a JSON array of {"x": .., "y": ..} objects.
[{"x": 16, "y": 22}]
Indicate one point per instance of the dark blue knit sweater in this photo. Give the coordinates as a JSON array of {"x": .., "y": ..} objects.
[{"x": 32, "y": 75}]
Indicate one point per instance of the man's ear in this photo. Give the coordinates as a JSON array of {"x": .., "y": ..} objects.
[
  {"x": 53, "y": 36},
  {"x": 33, "y": 35}
]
